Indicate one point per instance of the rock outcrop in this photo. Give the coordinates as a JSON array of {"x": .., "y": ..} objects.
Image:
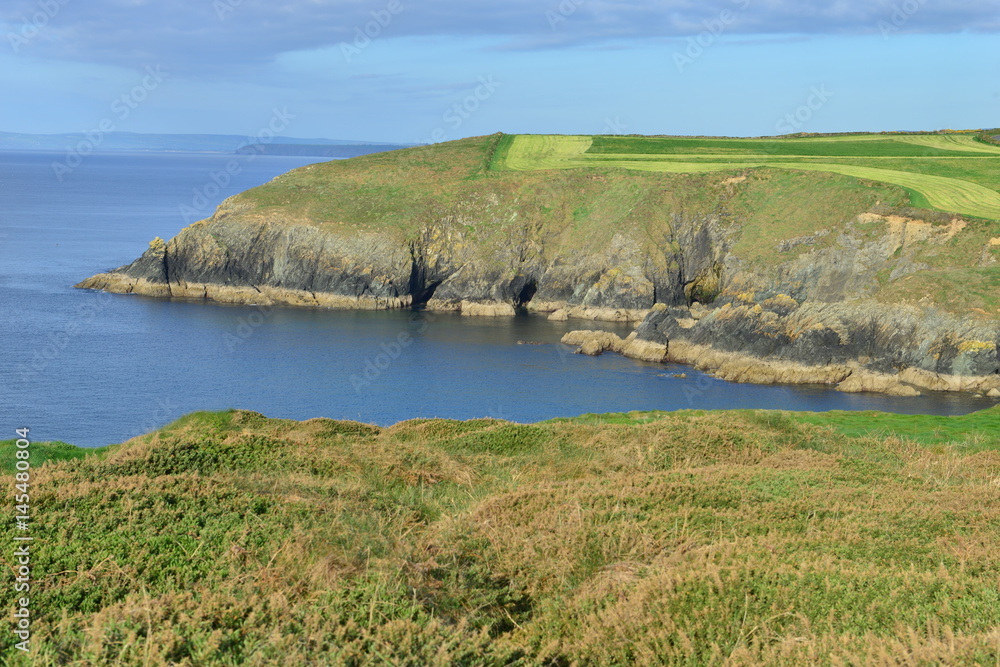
[
  {"x": 240, "y": 262},
  {"x": 857, "y": 346},
  {"x": 443, "y": 269},
  {"x": 593, "y": 343}
]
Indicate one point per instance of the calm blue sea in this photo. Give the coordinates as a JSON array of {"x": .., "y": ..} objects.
[{"x": 94, "y": 369}]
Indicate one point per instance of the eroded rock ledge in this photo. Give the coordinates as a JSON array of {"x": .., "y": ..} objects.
[{"x": 856, "y": 347}]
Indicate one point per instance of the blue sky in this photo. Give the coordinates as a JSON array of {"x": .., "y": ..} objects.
[{"x": 421, "y": 70}]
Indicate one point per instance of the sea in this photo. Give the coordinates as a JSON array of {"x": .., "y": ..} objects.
[{"x": 92, "y": 369}]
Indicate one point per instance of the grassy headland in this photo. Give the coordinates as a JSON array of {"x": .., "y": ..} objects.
[
  {"x": 578, "y": 193},
  {"x": 642, "y": 538},
  {"x": 812, "y": 258}
]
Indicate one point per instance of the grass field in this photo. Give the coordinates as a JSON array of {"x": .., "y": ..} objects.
[
  {"x": 738, "y": 538},
  {"x": 953, "y": 173}
]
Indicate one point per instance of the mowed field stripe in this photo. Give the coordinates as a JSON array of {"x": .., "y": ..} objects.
[
  {"x": 534, "y": 151},
  {"x": 949, "y": 194},
  {"x": 604, "y": 157},
  {"x": 952, "y": 143},
  {"x": 566, "y": 152}
]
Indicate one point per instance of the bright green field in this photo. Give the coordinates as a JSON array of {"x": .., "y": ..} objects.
[
  {"x": 973, "y": 431},
  {"x": 953, "y": 173}
]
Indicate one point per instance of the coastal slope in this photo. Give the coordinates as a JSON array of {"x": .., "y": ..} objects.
[{"x": 745, "y": 538}]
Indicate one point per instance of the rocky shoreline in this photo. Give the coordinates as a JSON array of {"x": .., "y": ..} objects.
[
  {"x": 856, "y": 346},
  {"x": 736, "y": 367},
  {"x": 695, "y": 336},
  {"x": 927, "y": 349},
  {"x": 264, "y": 295},
  {"x": 298, "y": 265}
]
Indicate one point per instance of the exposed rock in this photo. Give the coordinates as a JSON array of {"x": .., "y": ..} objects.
[
  {"x": 698, "y": 311},
  {"x": 228, "y": 260},
  {"x": 591, "y": 347},
  {"x": 945, "y": 382},
  {"x": 562, "y": 311},
  {"x": 811, "y": 239},
  {"x": 859, "y": 346},
  {"x": 643, "y": 350},
  {"x": 239, "y": 294},
  {"x": 289, "y": 264},
  {"x": 606, "y": 314},
  {"x": 594, "y": 342},
  {"x": 124, "y": 284},
  {"x": 861, "y": 381},
  {"x": 489, "y": 309}
]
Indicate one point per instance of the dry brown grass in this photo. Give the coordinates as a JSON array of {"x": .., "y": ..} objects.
[{"x": 692, "y": 538}]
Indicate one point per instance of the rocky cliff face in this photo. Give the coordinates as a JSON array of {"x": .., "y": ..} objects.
[
  {"x": 443, "y": 267},
  {"x": 816, "y": 317},
  {"x": 260, "y": 263}
]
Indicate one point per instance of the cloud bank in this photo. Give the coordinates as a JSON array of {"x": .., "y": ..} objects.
[{"x": 220, "y": 35}]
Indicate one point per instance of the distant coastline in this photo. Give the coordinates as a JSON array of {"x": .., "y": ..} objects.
[
  {"x": 198, "y": 143},
  {"x": 317, "y": 150}
]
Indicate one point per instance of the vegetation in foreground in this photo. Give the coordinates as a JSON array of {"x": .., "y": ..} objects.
[{"x": 643, "y": 538}]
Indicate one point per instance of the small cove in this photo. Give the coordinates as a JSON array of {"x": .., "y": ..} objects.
[{"x": 92, "y": 368}]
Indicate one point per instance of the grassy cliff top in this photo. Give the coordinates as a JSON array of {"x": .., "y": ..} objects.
[
  {"x": 579, "y": 192},
  {"x": 691, "y": 537},
  {"x": 950, "y": 172}
]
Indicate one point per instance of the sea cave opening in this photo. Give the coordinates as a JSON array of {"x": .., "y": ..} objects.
[{"x": 524, "y": 293}]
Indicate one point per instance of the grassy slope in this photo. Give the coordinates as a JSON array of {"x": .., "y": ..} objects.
[
  {"x": 412, "y": 188},
  {"x": 40, "y": 453},
  {"x": 402, "y": 191},
  {"x": 385, "y": 191},
  {"x": 692, "y": 537}
]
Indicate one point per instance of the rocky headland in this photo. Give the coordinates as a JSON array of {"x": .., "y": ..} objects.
[{"x": 759, "y": 276}]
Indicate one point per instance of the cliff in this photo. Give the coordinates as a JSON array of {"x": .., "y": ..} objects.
[{"x": 807, "y": 268}]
